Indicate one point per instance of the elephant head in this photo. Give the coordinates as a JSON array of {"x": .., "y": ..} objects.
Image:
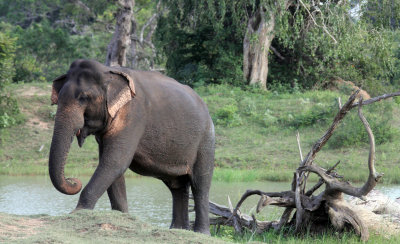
[{"x": 88, "y": 97}]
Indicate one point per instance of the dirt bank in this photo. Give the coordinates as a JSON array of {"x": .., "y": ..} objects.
[{"x": 90, "y": 227}]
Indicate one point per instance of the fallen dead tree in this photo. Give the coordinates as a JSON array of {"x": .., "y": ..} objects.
[{"x": 305, "y": 210}]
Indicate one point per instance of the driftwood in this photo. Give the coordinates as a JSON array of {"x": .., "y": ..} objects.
[{"x": 325, "y": 210}]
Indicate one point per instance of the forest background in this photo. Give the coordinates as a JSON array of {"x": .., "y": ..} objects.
[{"x": 265, "y": 68}]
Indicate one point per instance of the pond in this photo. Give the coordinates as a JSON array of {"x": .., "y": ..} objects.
[{"x": 148, "y": 199}]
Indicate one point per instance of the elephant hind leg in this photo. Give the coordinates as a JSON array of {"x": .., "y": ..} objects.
[
  {"x": 117, "y": 195},
  {"x": 200, "y": 183},
  {"x": 180, "y": 202}
]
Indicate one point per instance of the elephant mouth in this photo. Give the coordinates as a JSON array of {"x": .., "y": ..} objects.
[{"x": 80, "y": 136}]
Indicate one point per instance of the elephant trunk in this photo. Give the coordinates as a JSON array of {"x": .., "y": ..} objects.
[{"x": 63, "y": 135}]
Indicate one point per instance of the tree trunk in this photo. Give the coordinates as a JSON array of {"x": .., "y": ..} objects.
[
  {"x": 256, "y": 44},
  {"x": 133, "y": 60},
  {"x": 143, "y": 51},
  {"x": 118, "y": 47}
]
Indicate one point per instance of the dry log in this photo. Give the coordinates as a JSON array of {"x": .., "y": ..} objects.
[
  {"x": 328, "y": 208},
  {"x": 243, "y": 220}
]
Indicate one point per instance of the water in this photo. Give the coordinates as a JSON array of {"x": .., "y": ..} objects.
[{"x": 148, "y": 198}]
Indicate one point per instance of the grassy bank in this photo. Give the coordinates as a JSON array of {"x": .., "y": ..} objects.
[
  {"x": 255, "y": 135},
  {"x": 227, "y": 233},
  {"x": 91, "y": 227},
  {"x": 116, "y": 227}
]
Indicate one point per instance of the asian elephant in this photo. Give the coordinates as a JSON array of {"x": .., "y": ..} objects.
[{"x": 141, "y": 120}]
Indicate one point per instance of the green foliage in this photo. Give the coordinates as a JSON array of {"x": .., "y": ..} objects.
[
  {"x": 228, "y": 234},
  {"x": 51, "y": 34},
  {"x": 227, "y": 116},
  {"x": 382, "y": 13},
  {"x": 8, "y": 106},
  {"x": 263, "y": 147},
  {"x": 202, "y": 42},
  {"x": 45, "y": 52},
  {"x": 362, "y": 53},
  {"x": 318, "y": 114},
  {"x": 7, "y": 54},
  {"x": 352, "y": 132}
]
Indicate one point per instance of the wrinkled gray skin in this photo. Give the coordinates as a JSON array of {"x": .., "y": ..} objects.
[{"x": 152, "y": 125}]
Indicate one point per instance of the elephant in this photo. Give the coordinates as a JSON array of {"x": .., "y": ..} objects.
[{"x": 141, "y": 120}]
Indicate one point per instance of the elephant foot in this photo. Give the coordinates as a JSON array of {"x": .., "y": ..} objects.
[
  {"x": 76, "y": 210},
  {"x": 205, "y": 231},
  {"x": 182, "y": 226},
  {"x": 80, "y": 208}
]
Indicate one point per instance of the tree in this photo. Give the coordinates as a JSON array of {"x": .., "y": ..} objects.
[
  {"x": 202, "y": 41},
  {"x": 51, "y": 34},
  {"x": 296, "y": 43},
  {"x": 382, "y": 13},
  {"x": 118, "y": 47},
  {"x": 258, "y": 39},
  {"x": 128, "y": 35},
  {"x": 8, "y": 105},
  {"x": 143, "y": 52}
]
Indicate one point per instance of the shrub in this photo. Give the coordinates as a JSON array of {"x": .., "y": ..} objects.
[
  {"x": 228, "y": 116},
  {"x": 352, "y": 132},
  {"x": 8, "y": 106},
  {"x": 319, "y": 113}
]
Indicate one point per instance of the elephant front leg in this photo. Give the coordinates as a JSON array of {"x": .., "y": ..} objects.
[
  {"x": 102, "y": 180},
  {"x": 115, "y": 159},
  {"x": 117, "y": 195}
]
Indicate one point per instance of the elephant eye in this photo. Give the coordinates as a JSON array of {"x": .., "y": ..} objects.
[{"x": 83, "y": 98}]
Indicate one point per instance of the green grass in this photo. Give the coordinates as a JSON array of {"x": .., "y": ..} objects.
[
  {"x": 261, "y": 144},
  {"x": 228, "y": 234},
  {"x": 116, "y": 227},
  {"x": 255, "y": 132}
]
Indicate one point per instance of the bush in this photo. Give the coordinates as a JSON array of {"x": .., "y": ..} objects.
[
  {"x": 43, "y": 52},
  {"x": 228, "y": 116},
  {"x": 7, "y": 55},
  {"x": 319, "y": 113},
  {"x": 8, "y": 106},
  {"x": 204, "y": 52},
  {"x": 352, "y": 132}
]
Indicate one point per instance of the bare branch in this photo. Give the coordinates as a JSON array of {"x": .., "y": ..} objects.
[
  {"x": 83, "y": 6},
  {"x": 373, "y": 176},
  {"x": 277, "y": 201},
  {"x": 147, "y": 24},
  {"x": 299, "y": 206},
  {"x": 321, "y": 181},
  {"x": 321, "y": 142},
  {"x": 298, "y": 144},
  {"x": 230, "y": 204},
  {"x": 334, "y": 185},
  {"x": 315, "y": 22},
  {"x": 276, "y": 53},
  {"x": 284, "y": 219},
  {"x": 376, "y": 99},
  {"x": 284, "y": 195},
  {"x": 329, "y": 206}
]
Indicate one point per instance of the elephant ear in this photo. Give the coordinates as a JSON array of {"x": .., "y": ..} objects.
[
  {"x": 120, "y": 90},
  {"x": 58, "y": 83}
]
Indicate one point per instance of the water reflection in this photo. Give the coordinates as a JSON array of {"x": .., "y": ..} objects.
[{"x": 149, "y": 199}]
